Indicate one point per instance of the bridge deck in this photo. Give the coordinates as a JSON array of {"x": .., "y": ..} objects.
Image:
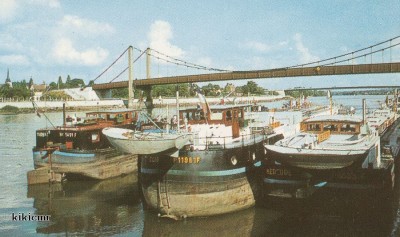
[{"x": 258, "y": 74}]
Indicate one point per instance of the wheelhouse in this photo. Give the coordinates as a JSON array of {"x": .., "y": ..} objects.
[
  {"x": 334, "y": 124},
  {"x": 84, "y": 133},
  {"x": 220, "y": 114}
]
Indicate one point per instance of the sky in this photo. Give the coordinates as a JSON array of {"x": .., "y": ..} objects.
[{"x": 45, "y": 39}]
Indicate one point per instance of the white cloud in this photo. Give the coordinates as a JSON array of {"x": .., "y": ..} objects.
[
  {"x": 305, "y": 55},
  {"x": 8, "y": 9},
  {"x": 160, "y": 35},
  {"x": 65, "y": 52},
  {"x": 258, "y": 46},
  {"x": 71, "y": 32},
  {"x": 84, "y": 27},
  {"x": 14, "y": 59}
]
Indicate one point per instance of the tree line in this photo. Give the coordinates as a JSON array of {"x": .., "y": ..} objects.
[
  {"x": 22, "y": 89},
  {"x": 189, "y": 90}
]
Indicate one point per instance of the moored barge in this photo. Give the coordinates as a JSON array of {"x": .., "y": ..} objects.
[
  {"x": 213, "y": 173},
  {"x": 78, "y": 147},
  {"x": 303, "y": 175}
]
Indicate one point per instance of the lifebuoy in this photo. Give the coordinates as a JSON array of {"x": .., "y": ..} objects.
[{"x": 234, "y": 161}]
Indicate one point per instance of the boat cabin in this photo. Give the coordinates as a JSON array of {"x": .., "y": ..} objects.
[
  {"x": 85, "y": 133},
  {"x": 220, "y": 114},
  {"x": 113, "y": 116},
  {"x": 335, "y": 124}
]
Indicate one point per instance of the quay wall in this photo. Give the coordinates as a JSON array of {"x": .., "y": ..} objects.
[
  {"x": 115, "y": 103},
  {"x": 68, "y": 104},
  {"x": 216, "y": 100}
]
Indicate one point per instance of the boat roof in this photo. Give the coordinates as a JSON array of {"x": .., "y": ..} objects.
[
  {"x": 218, "y": 107},
  {"x": 335, "y": 118},
  {"x": 115, "y": 111}
]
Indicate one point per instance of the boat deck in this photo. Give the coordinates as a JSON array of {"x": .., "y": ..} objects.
[
  {"x": 391, "y": 138},
  {"x": 333, "y": 142}
]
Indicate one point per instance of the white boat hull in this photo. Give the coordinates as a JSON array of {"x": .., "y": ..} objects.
[
  {"x": 315, "y": 158},
  {"x": 148, "y": 143}
]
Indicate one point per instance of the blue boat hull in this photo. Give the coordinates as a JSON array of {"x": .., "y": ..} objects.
[{"x": 201, "y": 183}]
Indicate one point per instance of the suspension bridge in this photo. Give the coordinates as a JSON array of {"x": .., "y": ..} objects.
[{"x": 374, "y": 59}]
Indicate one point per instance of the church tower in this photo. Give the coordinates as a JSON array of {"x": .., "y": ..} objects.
[{"x": 8, "y": 80}]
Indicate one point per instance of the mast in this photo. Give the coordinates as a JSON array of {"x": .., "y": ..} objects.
[
  {"x": 64, "y": 117},
  {"x": 177, "y": 106},
  {"x": 130, "y": 82},
  {"x": 329, "y": 94},
  {"x": 395, "y": 101},
  {"x": 364, "y": 107}
]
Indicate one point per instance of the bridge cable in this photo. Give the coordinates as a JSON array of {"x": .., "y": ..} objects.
[
  {"x": 111, "y": 65},
  {"x": 181, "y": 62},
  {"x": 372, "y": 52},
  {"x": 343, "y": 55},
  {"x": 134, "y": 61},
  {"x": 187, "y": 64}
]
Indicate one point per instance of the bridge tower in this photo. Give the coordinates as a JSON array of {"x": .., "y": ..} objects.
[{"x": 147, "y": 89}]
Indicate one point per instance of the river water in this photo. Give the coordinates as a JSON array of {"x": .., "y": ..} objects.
[{"x": 113, "y": 207}]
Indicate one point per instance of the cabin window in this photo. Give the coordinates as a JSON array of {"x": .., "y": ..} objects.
[
  {"x": 313, "y": 127},
  {"x": 202, "y": 115},
  {"x": 330, "y": 127},
  {"x": 346, "y": 127},
  {"x": 228, "y": 115},
  {"x": 216, "y": 116},
  {"x": 95, "y": 137},
  {"x": 197, "y": 115}
]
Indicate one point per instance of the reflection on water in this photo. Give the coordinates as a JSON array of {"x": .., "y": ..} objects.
[
  {"x": 113, "y": 207},
  {"x": 106, "y": 207},
  {"x": 250, "y": 222},
  {"x": 334, "y": 213}
]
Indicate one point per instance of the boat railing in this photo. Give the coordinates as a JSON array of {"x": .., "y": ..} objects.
[
  {"x": 227, "y": 142},
  {"x": 275, "y": 124},
  {"x": 323, "y": 136}
]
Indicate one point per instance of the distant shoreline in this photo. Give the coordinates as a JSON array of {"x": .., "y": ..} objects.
[{"x": 57, "y": 106}]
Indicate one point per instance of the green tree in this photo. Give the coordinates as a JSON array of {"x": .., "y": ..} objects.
[
  {"x": 211, "y": 90},
  {"x": 60, "y": 83},
  {"x": 30, "y": 83},
  {"x": 250, "y": 88},
  {"x": 76, "y": 83},
  {"x": 53, "y": 86},
  {"x": 6, "y": 91},
  {"x": 68, "y": 82},
  {"x": 19, "y": 89}
]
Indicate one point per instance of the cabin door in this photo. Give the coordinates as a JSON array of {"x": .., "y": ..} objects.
[{"x": 235, "y": 124}]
